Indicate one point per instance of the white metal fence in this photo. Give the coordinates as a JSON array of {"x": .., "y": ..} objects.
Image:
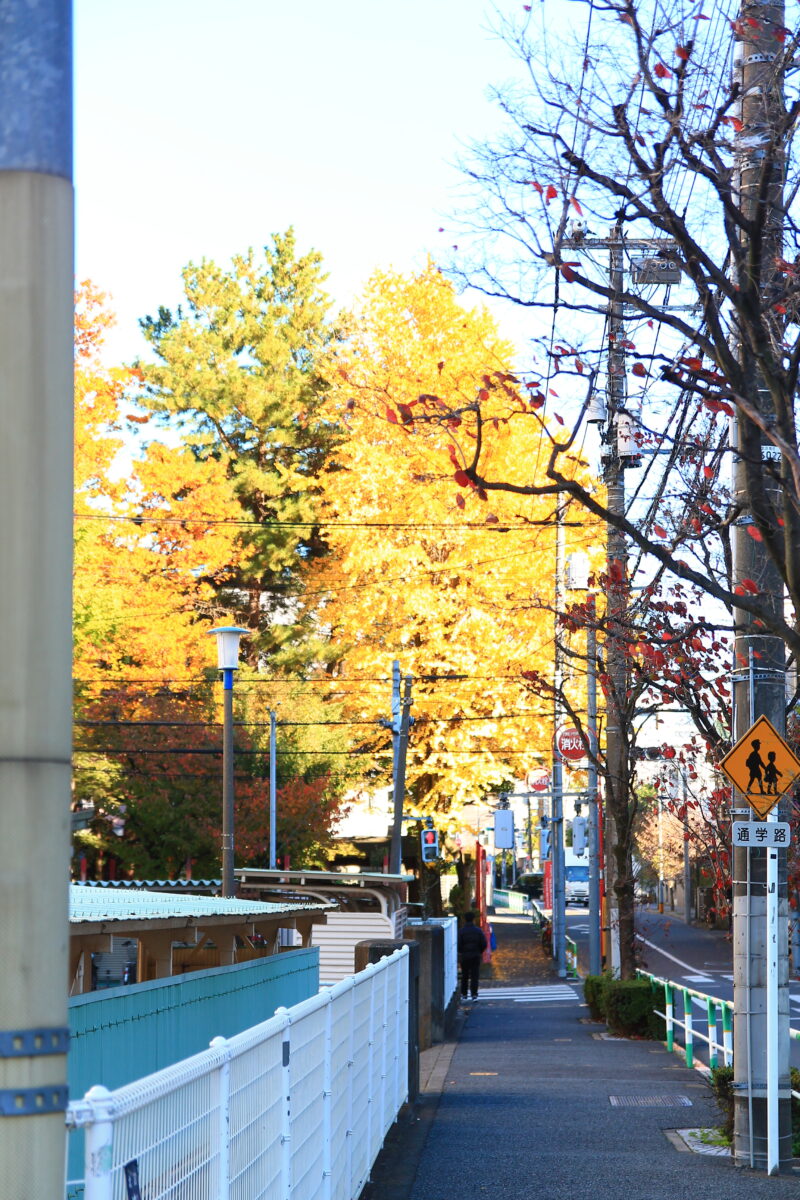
[
  {"x": 295, "y": 1108},
  {"x": 513, "y": 901}
]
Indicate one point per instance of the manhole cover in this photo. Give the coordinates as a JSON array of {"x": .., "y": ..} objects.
[{"x": 650, "y": 1102}]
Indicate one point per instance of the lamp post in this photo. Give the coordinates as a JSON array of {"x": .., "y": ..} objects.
[{"x": 227, "y": 660}]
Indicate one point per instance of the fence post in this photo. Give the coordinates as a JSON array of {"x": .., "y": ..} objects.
[
  {"x": 669, "y": 1011},
  {"x": 727, "y": 1034},
  {"x": 350, "y": 1065},
  {"x": 712, "y": 1032},
  {"x": 223, "y": 1076},
  {"x": 687, "y": 1021},
  {"x": 98, "y": 1152},
  {"x": 286, "y": 1113},
  {"x": 371, "y": 1058},
  {"x": 327, "y": 1101},
  {"x": 385, "y": 1106}
]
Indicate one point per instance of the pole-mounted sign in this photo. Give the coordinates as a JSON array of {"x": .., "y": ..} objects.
[
  {"x": 569, "y": 744},
  {"x": 539, "y": 780},
  {"x": 762, "y": 766}
]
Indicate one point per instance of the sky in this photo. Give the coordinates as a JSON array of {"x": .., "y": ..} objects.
[{"x": 203, "y": 126}]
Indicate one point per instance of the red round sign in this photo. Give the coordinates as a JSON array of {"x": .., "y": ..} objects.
[
  {"x": 569, "y": 744},
  {"x": 538, "y": 780}
]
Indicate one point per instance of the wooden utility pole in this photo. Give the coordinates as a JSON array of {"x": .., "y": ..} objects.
[
  {"x": 762, "y": 1130},
  {"x": 36, "y": 398}
]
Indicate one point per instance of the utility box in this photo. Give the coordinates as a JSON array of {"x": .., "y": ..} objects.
[{"x": 661, "y": 269}]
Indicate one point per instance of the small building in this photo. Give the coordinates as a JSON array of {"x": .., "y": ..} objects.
[
  {"x": 175, "y": 932},
  {"x": 369, "y": 906}
]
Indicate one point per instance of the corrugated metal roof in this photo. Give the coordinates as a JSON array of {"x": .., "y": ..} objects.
[{"x": 100, "y": 904}]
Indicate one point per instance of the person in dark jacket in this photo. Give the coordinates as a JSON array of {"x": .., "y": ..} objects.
[{"x": 471, "y": 945}]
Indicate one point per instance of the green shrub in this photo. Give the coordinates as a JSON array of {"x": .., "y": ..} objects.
[
  {"x": 593, "y": 995},
  {"x": 722, "y": 1083},
  {"x": 630, "y": 1006},
  {"x": 457, "y": 900}
]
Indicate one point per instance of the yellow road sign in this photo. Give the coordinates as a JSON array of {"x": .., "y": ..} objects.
[{"x": 761, "y": 766}]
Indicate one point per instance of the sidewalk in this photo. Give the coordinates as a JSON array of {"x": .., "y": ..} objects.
[{"x": 533, "y": 1104}]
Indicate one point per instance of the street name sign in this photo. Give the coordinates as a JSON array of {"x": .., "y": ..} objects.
[
  {"x": 762, "y": 766},
  {"x": 762, "y": 833}
]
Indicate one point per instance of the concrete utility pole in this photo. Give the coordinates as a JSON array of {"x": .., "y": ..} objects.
[
  {"x": 617, "y": 594},
  {"x": 273, "y": 790},
  {"x": 620, "y": 451},
  {"x": 759, "y": 686},
  {"x": 400, "y": 725},
  {"x": 36, "y": 400},
  {"x": 595, "y": 955},
  {"x": 557, "y": 823}
]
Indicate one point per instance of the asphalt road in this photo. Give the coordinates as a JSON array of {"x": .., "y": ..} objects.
[{"x": 689, "y": 955}]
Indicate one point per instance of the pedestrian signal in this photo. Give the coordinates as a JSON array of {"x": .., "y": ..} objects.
[{"x": 430, "y": 845}]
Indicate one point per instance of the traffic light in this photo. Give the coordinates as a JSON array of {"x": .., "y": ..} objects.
[{"x": 430, "y": 845}]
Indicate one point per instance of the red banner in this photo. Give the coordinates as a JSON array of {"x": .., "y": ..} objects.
[{"x": 547, "y": 893}]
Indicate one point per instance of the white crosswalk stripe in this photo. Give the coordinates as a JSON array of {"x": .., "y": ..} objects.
[{"x": 545, "y": 993}]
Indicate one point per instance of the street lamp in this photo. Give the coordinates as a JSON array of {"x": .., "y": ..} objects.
[{"x": 227, "y": 660}]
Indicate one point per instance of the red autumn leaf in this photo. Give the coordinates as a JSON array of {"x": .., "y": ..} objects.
[
  {"x": 694, "y": 364},
  {"x": 755, "y": 534},
  {"x": 779, "y": 308},
  {"x": 391, "y": 416},
  {"x": 553, "y": 392},
  {"x": 460, "y": 501},
  {"x": 734, "y": 123},
  {"x": 750, "y": 585},
  {"x": 661, "y": 71},
  {"x": 440, "y": 366},
  {"x": 492, "y": 519},
  {"x": 568, "y": 273},
  {"x": 558, "y": 418},
  {"x": 461, "y": 479},
  {"x": 483, "y": 395},
  {"x": 551, "y": 193},
  {"x": 576, "y": 206},
  {"x": 659, "y": 531},
  {"x": 640, "y": 369},
  {"x": 536, "y": 401},
  {"x": 683, "y": 53},
  {"x": 538, "y": 186},
  {"x": 481, "y": 494},
  {"x": 708, "y": 472}
]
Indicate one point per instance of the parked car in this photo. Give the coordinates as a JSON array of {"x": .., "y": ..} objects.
[{"x": 531, "y": 884}]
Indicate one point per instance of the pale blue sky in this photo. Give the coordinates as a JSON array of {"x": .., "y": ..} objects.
[{"x": 202, "y": 126}]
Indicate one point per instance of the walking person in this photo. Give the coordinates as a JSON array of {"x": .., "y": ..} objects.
[{"x": 471, "y": 945}]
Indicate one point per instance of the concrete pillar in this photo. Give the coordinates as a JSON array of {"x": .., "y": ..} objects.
[
  {"x": 36, "y": 504},
  {"x": 371, "y": 952}
]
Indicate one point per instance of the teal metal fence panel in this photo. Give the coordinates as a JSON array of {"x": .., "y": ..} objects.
[{"x": 120, "y": 1034}]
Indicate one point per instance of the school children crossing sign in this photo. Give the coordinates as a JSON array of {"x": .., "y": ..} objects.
[{"x": 761, "y": 766}]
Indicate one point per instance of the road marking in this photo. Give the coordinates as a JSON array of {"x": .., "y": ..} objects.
[
  {"x": 531, "y": 995},
  {"x": 687, "y": 966},
  {"x": 698, "y": 979}
]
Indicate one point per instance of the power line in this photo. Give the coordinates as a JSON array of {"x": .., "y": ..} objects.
[{"x": 500, "y": 527}]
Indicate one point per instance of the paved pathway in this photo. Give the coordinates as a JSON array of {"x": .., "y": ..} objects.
[{"x": 535, "y": 1102}]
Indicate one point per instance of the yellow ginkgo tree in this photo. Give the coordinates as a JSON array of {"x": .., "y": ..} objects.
[{"x": 423, "y": 568}]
